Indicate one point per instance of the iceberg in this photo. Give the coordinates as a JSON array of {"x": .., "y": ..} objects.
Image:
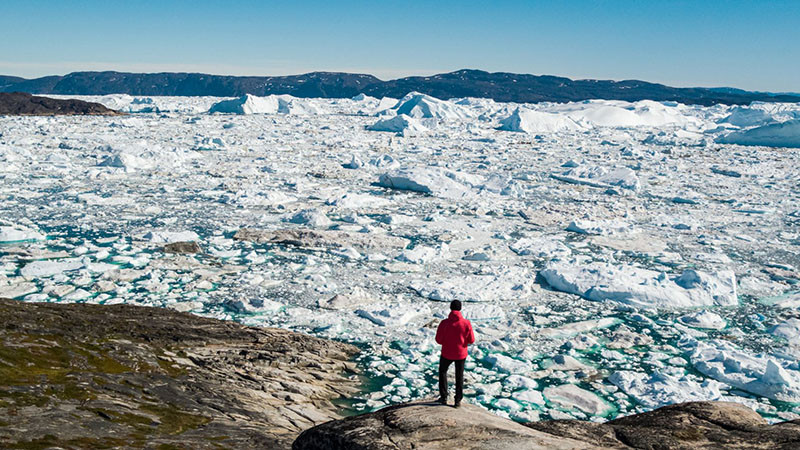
[
  {"x": 785, "y": 134},
  {"x": 420, "y": 106},
  {"x": 642, "y": 287},
  {"x": 272, "y": 104},
  {"x": 528, "y": 121},
  {"x": 401, "y": 124},
  {"x": 758, "y": 374},
  {"x": 18, "y": 233},
  {"x": 430, "y": 180}
]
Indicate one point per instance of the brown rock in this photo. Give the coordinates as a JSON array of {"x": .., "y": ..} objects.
[
  {"x": 428, "y": 425},
  {"x": 182, "y": 247},
  {"x": 24, "y": 104},
  {"x": 695, "y": 425},
  {"x": 91, "y": 376}
]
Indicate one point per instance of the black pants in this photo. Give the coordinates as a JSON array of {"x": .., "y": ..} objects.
[{"x": 444, "y": 364}]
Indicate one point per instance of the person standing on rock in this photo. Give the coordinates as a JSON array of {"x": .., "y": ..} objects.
[{"x": 454, "y": 335}]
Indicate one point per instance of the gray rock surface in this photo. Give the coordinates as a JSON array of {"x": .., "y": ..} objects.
[
  {"x": 429, "y": 425},
  {"x": 90, "y": 376},
  {"x": 697, "y": 425},
  {"x": 182, "y": 247}
]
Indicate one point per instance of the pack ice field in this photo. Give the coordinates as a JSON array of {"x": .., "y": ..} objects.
[{"x": 613, "y": 257}]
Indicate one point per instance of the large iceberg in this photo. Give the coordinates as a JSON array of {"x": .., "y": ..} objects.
[
  {"x": 272, "y": 104},
  {"x": 602, "y": 177},
  {"x": 527, "y": 121},
  {"x": 642, "y": 287},
  {"x": 419, "y": 106},
  {"x": 786, "y": 134},
  {"x": 401, "y": 124},
  {"x": 430, "y": 180}
]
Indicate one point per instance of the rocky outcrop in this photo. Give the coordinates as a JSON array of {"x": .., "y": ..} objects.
[
  {"x": 428, "y": 425},
  {"x": 90, "y": 376},
  {"x": 24, "y": 104},
  {"x": 695, "y": 425},
  {"x": 187, "y": 247}
]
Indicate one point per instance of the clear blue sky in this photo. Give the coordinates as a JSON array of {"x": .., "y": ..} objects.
[{"x": 746, "y": 44}]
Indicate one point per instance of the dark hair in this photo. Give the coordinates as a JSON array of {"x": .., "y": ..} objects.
[{"x": 455, "y": 305}]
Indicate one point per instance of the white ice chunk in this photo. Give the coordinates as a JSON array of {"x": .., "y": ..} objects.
[
  {"x": 598, "y": 176},
  {"x": 507, "y": 364},
  {"x": 600, "y": 227},
  {"x": 789, "y": 330},
  {"x": 47, "y": 268},
  {"x": 786, "y": 134},
  {"x": 704, "y": 319},
  {"x": 430, "y": 180},
  {"x": 758, "y": 374},
  {"x": 507, "y": 283},
  {"x": 392, "y": 315},
  {"x": 661, "y": 389},
  {"x": 570, "y": 396},
  {"x": 18, "y": 233},
  {"x": 527, "y": 121},
  {"x": 642, "y": 287},
  {"x": 166, "y": 237},
  {"x": 401, "y": 124}
]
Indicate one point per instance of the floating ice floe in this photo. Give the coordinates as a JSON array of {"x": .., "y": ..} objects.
[
  {"x": 602, "y": 177},
  {"x": 254, "y": 305},
  {"x": 311, "y": 217},
  {"x": 401, "y": 124},
  {"x": 10, "y": 233},
  {"x": 420, "y": 106},
  {"x": 507, "y": 364},
  {"x": 761, "y": 375},
  {"x": 661, "y": 388},
  {"x": 423, "y": 254},
  {"x": 785, "y": 134},
  {"x": 127, "y": 161},
  {"x": 570, "y": 396},
  {"x": 166, "y": 237},
  {"x": 704, "y": 319},
  {"x": 545, "y": 247},
  {"x": 430, "y": 180},
  {"x": 642, "y": 287},
  {"x": 210, "y": 144},
  {"x": 16, "y": 289},
  {"x": 789, "y": 330},
  {"x": 48, "y": 268},
  {"x": 528, "y": 121},
  {"x": 506, "y": 283},
  {"x": 393, "y": 314},
  {"x": 351, "y": 200},
  {"x": 574, "y": 328},
  {"x": 600, "y": 227}
]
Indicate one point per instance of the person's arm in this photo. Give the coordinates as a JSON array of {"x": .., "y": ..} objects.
[
  {"x": 439, "y": 334},
  {"x": 470, "y": 334}
]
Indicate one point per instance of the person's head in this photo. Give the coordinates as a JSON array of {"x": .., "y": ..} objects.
[{"x": 455, "y": 305}]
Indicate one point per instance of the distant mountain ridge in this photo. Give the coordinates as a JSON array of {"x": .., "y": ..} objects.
[{"x": 499, "y": 86}]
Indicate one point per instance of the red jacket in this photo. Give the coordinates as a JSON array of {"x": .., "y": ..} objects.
[{"x": 454, "y": 334}]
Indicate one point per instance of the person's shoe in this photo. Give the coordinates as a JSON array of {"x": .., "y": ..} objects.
[
  {"x": 442, "y": 400},
  {"x": 457, "y": 404}
]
